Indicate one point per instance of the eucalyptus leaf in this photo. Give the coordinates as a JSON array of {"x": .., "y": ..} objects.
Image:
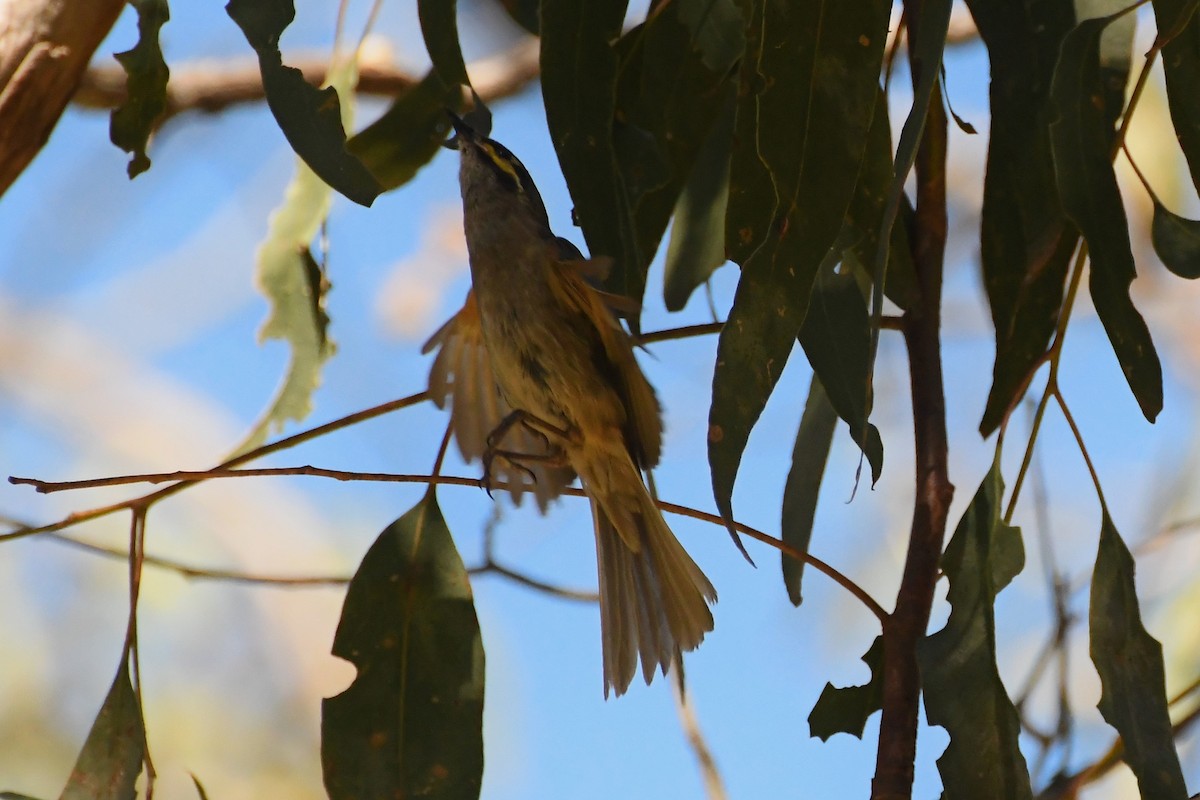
[
  {"x": 146, "y": 86},
  {"x": 803, "y": 487},
  {"x": 411, "y": 723},
  {"x": 1178, "y": 20},
  {"x": 111, "y": 759},
  {"x": 1177, "y": 241},
  {"x": 847, "y": 709},
  {"x": 439, "y": 26}
]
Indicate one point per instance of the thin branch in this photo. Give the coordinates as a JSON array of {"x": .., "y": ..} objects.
[
  {"x": 1087, "y": 459},
  {"x": 533, "y": 583},
  {"x": 714, "y": 786}
]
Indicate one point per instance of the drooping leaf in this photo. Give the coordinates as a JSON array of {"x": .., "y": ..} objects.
[
  {"x": 310, "y": 118},
  {"x": 1181, "y": 69},
  {"x": 409, "y": 134},
  {"x": 579, "y": 60},
  {"x": 1129, "y": 660},
  {"x": 1026, "y": 240},
  {"x": 800, "y": 493},
  {"x": 808, "y": 86},
  {"x": 668, "y": 99},
  {"x": 111, "y": 759},
  {"x": 131, "y": 125},
  {"x": 860, "y": 233},
  {"x": 925, "y": 58},
  {"x": 295, "y": 286},
  {"x": 960, "y": 681},
  {"x": 835, "y": 336},
  {"x": 1177, "y": 241},
  {"x": 411, "y": 723},
  {"x": 439, "y": 26},
  {"x": 1080, "y": 139},
  {"x": 697, "y": 243},
  {"x": 846, "y": 710}
]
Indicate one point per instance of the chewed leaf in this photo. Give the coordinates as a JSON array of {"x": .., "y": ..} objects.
[
  {"x": 847, "y": 709},
  {"x": 983, "y": 760},
  {"x": 131, "y": 124},
  {"x": 1129, "y": 660},
  {"x": 1177, "y": 242},
  {"x": 111, "y": 759},
  {"x": 411, "y": 724}
]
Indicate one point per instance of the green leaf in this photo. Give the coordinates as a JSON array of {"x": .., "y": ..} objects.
[
  {"x": 579, "y": 60},
  {"x": 131, "y": 125},
  {"x": 111, "y": 759},
  {"x": 846, "y": 710},
  {"x": 697, "y": 243},
  {"x": 295, "y": 286},
  {"x": 310, "y": 118},
  {"x": 925, "y": 57},
  {"x": 809, "y": 81},
  {"x": 800, "y": 493},
  {"x": 835, "y": 337},
  {"x": 411, "y": 724},
  {"x": 439, "y": 26},
  {"x": 716, "y": 28},
  {"x": 667, "y": 102},
  {"x": 1177, "y": 242},
  {"x": 1026, "y": 240},
  {"x": 409, "y": 134},
  {"x": 1081, "y": 138},
  {"x": 960, "y": 681},
  {"x": 1129, "y": 660},
  {"x": 1181, "y": 69}
]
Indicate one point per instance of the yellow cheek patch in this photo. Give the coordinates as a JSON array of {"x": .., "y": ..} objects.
[{"x": 500, "y": 161}]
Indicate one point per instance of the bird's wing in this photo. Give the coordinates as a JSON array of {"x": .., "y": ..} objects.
[{"x": 461, "y": 377}]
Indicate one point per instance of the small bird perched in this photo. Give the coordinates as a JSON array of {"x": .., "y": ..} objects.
[{"x": 560, "y": 393}]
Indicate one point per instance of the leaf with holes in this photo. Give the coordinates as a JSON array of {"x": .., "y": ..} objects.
[
  {"x": 847, "y": 709},
  {"x": 146, "y": 86},
  {"x": 411, "y": 724}
]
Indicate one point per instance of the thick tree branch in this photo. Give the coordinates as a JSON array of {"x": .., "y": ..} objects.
[
  {"x": 45, "y": 45},
  {"x": 906, "y": 625}
]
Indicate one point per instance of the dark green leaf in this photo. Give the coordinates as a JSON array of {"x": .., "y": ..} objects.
[
  {"x": 578, "y": 60},
  {"x": 310, "y": 118},
  {"x": 716, "y": 28},
  {"x": 1181, "y": 69},
  {"x": 439, "y": 26},
  {"x": 961, "y": 684},
  {"x": 524, "y": 13},
  {"x": 411, "y": 723},
  {"x": 131, "y": 124},
  {"x": 1026, "y": 240},
  {"x": 111, "y": 758},
  {"x": 1177, "y": 242},
  {"x": 697, "y": 244},
  {"x": 1080, "y": 139},
  {"x": 409, "y": 134},
  {"x": 808, "y": 87},
  {"x": 803, "y": 486},
  {"x": 847, "y": 709},
  {"x": 861, "y": 230},
  {"x": 925, "y": 58},
  {"x": 835, "y": 337},
  {"x": 1133, "y": 695}
]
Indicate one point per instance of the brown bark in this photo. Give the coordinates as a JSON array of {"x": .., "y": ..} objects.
[{"x": 45, "y": 45}]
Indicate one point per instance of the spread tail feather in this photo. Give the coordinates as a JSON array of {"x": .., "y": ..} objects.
[{"x": 653, "y": 601}]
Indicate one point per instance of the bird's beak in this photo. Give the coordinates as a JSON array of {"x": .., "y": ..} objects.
[{"x": 461, "y": 131}]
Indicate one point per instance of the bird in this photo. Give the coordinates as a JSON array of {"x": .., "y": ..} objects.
[{"x": 544, "y": 386}]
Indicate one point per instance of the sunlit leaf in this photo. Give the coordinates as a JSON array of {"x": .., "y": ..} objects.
[
  {"x": 1181, "y": 69},
  {"x": 411, "y": 723},
  {"x": 310, "y": 118},
  {"x": 809, "y": 82},
  {"x": 111, "y": 759},
  {"x": 1133, "y": 695},
  {"x": 961, "y": 683},
  {"x": 295, "y": 286},
  {"x": 1080, "y": 138},
  {"x": 1177, "y": 242},
  {"x": 1026, "y": 240},
  {"x": 835, "y": 337},
  {"x": 439, "y": 26},
  {"x": 846, "y": 710},
  {"x": 409, "y": 134},
  {"x": 579, "y": 60},
  {"x": 697, "y": 243},
  {"x": 146, "y": 86},
  {"x": 800, "y": 493}
]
